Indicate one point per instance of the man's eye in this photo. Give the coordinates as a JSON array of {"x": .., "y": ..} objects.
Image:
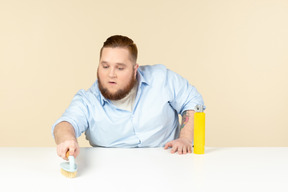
[
  {"x": 120, "y": 68},
  {"x": 105, "y": 67}
]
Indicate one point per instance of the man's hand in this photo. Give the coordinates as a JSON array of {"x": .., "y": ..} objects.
[
  {"x": 182, "y": 145},
  {"x": 71, "y": 146},
  {"x": 65, "y": 139}
]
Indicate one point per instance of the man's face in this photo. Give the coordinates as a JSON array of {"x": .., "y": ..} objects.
[{"x": 116, "y": 73}]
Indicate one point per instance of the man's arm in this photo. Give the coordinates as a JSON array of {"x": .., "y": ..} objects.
[
  {"x": 65, "y": 139},
  {"x": 184, "y": 143}
]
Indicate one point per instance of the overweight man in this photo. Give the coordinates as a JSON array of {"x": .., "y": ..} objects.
[{"x": 129, "y": 105}]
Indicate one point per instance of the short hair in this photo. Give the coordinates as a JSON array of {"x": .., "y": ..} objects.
[{"x": 122, "y": 42}]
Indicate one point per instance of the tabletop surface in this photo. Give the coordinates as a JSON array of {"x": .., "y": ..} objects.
[{"x": 147, "y": 169}]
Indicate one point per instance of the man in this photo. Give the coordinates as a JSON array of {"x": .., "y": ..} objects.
[{"x": 129, "y": 106}]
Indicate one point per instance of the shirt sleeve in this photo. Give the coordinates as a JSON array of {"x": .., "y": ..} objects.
[
  {"x": 183, "y": 95},
  {"x": 76, "y": 114}
]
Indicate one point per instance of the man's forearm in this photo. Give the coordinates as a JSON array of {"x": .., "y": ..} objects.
[
  {"x": 187, "y": 126},
  {"x": 64, "y": 131}
]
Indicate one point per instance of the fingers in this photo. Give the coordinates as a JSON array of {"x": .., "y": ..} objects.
[
  {"x": 66, "y": 146},
  {"x": 173, "y": 145},
  {"x": 179, "y": 149},
  {"x": 63, "y": 151},
  {"x": 175, "y": 149},
  {"x": 176, "y": 146},
  {"x": 184, "y": 150},
  {"x": 169, "y": 144},
  {"x": 190, "y": 149},
  {"x": 74, "y": 151}
]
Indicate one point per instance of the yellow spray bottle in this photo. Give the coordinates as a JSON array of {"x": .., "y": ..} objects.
[{"x": 199, "y": 130}]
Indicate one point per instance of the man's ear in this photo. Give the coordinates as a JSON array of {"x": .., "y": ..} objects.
[{"x": 135, "y": 69}]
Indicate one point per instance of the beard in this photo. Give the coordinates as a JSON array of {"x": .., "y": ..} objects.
[{"x": 119, "y": 94}]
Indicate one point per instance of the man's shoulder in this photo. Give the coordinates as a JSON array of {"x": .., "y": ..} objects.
[
  {"x": 152, "y": 68},
  {"x": 93, "y": 92},
  {"x": 158, "y": 71},
  {"x": 154, "y": 74}
]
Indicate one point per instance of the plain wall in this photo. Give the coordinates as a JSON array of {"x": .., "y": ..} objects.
[{"x": 234, "y": 52}]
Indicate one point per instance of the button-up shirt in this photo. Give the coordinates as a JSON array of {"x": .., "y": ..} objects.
[{"x": 162, "y": 94}]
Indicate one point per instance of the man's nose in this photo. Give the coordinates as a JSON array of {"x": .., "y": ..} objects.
[{"x": 112, "y": 73}]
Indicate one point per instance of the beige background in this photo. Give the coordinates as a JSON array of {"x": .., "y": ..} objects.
[{"x": 234, "y": 52}]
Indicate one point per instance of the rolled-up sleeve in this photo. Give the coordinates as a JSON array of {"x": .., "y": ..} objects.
[
  {"x": 76, "y": 114},
  {"x": 184, "y": 96}
]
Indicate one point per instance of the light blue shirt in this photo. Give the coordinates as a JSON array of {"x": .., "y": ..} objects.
[{"x": 161, "y": 96}]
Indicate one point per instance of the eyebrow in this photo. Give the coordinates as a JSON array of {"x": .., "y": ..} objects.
[
  {"x": 121, "y": 64},
  {"x": 104, "y": 62}
]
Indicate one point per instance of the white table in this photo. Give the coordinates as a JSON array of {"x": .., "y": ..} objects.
[{"x": 147, "y": 170}]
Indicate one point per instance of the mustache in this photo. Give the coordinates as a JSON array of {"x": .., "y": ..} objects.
[{"x": 120, "y": 93}]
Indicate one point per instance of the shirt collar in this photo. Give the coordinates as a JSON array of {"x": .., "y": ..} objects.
[
  {"x": 141, "y": 79},
  {"x": 102, "y": 99}
]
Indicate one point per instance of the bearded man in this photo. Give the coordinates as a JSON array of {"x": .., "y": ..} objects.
[{"x": 129, "y": 105}]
